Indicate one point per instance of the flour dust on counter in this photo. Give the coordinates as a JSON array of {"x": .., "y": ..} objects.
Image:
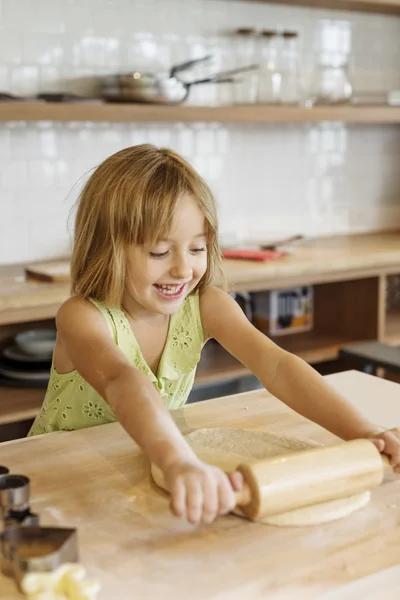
[
  {"x": 382, "y": 585},
  {"x": 228, "y": 448}
]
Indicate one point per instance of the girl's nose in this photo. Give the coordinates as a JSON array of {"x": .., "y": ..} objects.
[{"x": 181, "y": 268}]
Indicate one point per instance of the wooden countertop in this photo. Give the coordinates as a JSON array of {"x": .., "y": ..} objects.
[
  {"x": 23, "y": 300},
  {"x": 314, "y": 261},
  {"x": 336, "y": 258},
  {"x": 97, "y": 480}
]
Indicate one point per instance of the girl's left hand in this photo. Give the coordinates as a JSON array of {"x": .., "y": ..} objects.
[{"x": 388, "y": 442}]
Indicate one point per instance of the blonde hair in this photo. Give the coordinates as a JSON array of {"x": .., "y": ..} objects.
[{"x": 130, "y": 199}]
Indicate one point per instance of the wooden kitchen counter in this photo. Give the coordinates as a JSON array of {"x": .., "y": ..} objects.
[
  {"x": 314, "y": 261},
  {"x": 98, "y": 481},
  {"x": 337, "y": 258}
]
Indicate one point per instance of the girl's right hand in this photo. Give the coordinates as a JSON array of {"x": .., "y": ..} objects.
[{"x": 201, "y": 492}]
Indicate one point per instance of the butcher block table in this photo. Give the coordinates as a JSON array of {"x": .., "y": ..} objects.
[{"x": 97, "y": 480}]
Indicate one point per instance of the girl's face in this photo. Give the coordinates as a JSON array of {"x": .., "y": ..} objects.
[{"x": 159, "y": 280}]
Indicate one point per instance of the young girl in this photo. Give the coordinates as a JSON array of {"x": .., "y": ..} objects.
[{"x": 143, "y": 306}]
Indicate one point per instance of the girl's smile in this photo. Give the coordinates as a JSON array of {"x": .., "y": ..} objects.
[{"x": 170, "y": 291}]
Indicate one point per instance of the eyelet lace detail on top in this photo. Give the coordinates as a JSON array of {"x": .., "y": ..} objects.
[
  {"x": 181, "y": 353},
  {"x": 181, "y": 338},
  {"x": 93, "y": 410}
]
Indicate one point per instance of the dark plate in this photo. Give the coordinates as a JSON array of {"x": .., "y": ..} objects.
[
  {"x": 24, "y": 372},
  {"x": 13, "y": 355},
  {"x": 25, "y": 383}
]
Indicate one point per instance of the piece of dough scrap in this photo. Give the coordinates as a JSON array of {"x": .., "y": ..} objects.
[
  {"x": 228, "y": 447},
  {"x": 66, "y": 582}
]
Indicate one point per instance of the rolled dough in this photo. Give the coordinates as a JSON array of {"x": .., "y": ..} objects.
[{"x": 227, "y": 448}]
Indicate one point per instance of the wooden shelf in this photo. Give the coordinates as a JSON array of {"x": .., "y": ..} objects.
[
  {"x": 375, "y": 6},
  {"x": 113, "y": 112},
  {"x": 345, "y": 312},
  {"x": 392, "y": 331},
  {"x": 314, "y": 347},
  {"x": 217, "y": 364},
  {"x": 18, "y": 404}
]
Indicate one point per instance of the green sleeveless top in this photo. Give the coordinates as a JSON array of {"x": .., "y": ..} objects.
[{"x": 71, "y": 403}]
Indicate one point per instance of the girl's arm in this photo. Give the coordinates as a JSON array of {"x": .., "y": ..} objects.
[
  {"x": 199, "y": 492},
  {"x": 288, "y": 377}
]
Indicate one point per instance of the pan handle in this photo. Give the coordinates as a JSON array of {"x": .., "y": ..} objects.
[
  {"x": 225, "y": 74},
  {"x": 212, "y": 80},
  {"x": 188, "y": 85},
  {"x": 186, "y": 65}
]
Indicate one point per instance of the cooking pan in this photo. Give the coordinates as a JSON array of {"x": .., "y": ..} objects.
[{"x": 153, "y": 88}]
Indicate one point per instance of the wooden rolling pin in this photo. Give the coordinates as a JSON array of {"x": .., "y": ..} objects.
[{"x": 286, "y": 483}]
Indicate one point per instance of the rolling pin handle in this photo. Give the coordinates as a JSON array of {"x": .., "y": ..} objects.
[{"x": 243, "y": 497}]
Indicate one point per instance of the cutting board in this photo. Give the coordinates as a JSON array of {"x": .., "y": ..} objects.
[
  {"x": 248, "y": 254},
  {"x": 58, "y": 270}
]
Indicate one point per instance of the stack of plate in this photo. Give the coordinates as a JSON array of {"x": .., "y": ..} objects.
[{"x": 25, "y": 361}]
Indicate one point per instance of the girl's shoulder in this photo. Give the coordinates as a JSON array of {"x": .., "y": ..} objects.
[
  {"x": 217, "y": 308},
  {"x": 82, "y": 306},
  {"x": 212, "y": 299},
  {"x": 76, "y": 303},
  {"x": 87, "y": 314},
  {"x": 74, "y": 308}
]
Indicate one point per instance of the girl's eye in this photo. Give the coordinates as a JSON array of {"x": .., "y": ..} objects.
[
  {"x": 197, "y": 250},
  {"x": 158, "y": 254}
]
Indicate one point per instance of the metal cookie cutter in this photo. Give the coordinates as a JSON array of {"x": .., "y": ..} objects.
[
  {"x": 3, "y": 471},
  {"x": 36, "y": 549},
  {"x": 14, "y": 500},
  {"x": 25, "y": 546}
]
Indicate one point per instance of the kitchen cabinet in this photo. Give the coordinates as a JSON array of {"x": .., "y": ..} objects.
[
  {"x": 349, "y": 275},
  {"x": 392, "y": 327},
  {"x": 392, "y": 310}
]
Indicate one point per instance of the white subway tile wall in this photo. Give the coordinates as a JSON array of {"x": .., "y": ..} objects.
[{"x": 268, "y": 179}]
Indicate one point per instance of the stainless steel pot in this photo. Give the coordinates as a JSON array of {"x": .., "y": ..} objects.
[{"x": 152, "y": 88}]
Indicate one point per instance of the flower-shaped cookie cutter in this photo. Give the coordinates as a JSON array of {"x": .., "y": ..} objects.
[{"x": 26, "y": 546}]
